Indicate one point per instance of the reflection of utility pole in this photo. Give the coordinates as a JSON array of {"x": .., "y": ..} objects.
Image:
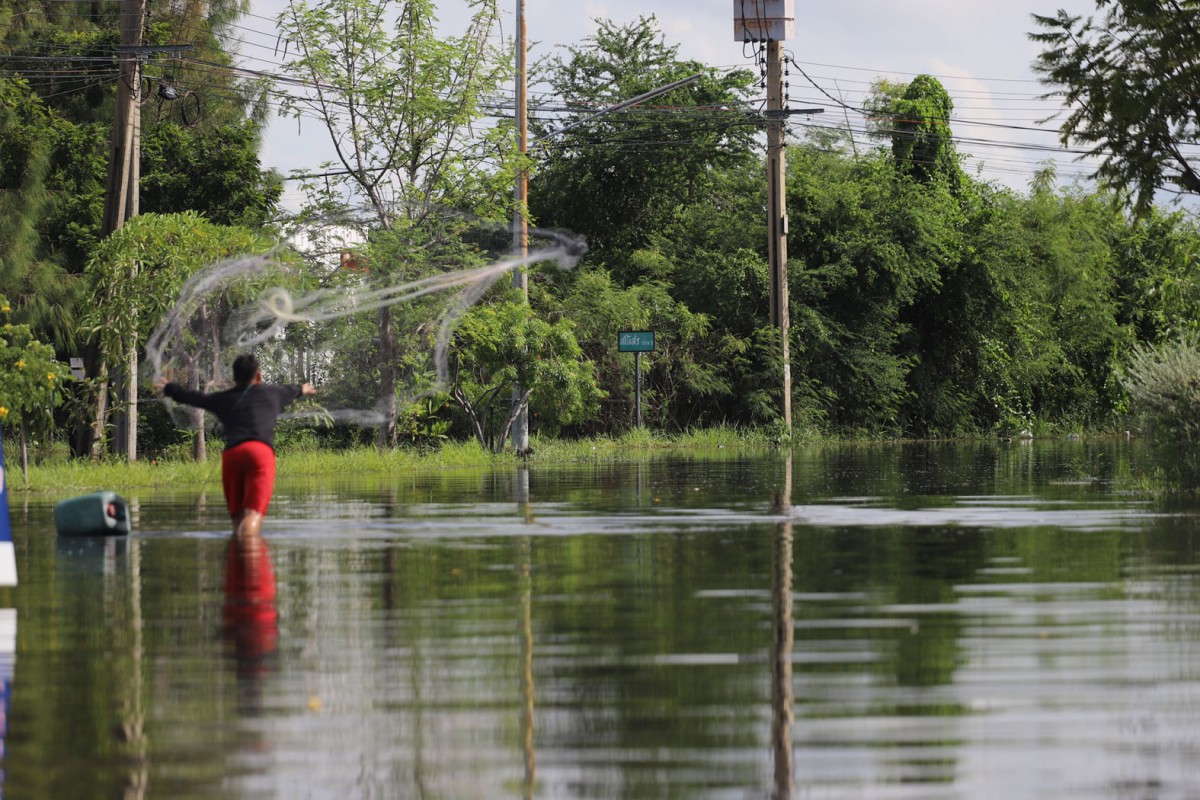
[
  {"x": 528, "y": 695},
  {"x": 119, "y": 589},
  {"x": 782, "y": 640},
  {"x": 525, "y": 590},
  {"x": 520, "y": 426}
]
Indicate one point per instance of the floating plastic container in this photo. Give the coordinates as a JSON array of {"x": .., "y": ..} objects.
[{"x": 97, "y": 514}]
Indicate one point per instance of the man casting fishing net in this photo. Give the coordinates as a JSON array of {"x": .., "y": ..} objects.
[{"x": 248, "y": 412}]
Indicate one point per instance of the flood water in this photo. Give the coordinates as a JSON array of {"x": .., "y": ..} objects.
[{"x": 919, "y": 621}]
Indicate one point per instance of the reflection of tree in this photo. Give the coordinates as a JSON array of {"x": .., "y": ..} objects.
[
  {"x": 932, "y": 561},
  {"x": 131, "y": 730},
  {"x": 86, "y": 696}
]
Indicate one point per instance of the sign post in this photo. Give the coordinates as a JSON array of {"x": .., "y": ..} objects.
[
  {"x": 8, "y": 556},
  {"x": 636, "y": 342}
]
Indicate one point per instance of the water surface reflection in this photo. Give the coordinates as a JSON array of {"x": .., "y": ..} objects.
[{"x": 899, "y": 622}]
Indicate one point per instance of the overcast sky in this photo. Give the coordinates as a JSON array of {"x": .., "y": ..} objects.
[{"x": 979, "y": 49}]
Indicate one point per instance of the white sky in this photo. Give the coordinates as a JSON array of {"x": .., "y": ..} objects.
[{"x": 979, "y": 49}]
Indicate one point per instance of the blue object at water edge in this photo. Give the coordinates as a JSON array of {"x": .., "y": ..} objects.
[
  {"x": 8, "y": 556},
  {"x": 96, "y": 514}
]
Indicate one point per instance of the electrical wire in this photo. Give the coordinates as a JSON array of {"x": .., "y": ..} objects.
[{"x": 284, "y": 91}]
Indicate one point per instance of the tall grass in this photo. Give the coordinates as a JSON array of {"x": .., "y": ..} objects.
[
  {"x": 85, "y": 476},
  {"x": 307, "y": 459}
]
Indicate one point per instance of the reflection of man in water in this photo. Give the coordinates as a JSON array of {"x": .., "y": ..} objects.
[
  {"x": 251, "y": 618},
  {"x": 248, "y": 413}
]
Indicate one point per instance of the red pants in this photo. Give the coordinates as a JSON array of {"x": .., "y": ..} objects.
[{"x": 248, "y": 477}]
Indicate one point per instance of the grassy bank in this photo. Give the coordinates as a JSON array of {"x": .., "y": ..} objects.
[{"x": 83, "y": 476}]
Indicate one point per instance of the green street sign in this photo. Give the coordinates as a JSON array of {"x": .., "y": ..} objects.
[{"x": 635, "y": 342}]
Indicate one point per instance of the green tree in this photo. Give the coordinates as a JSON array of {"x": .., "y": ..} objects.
[
  {"x": 136, "y": 275},
  {"x": 63, "y": 51},
  {"x": 214, "y": 171},
  {"x": 403, "y": 109},
  {"x": 55, "y": 117},
  {"x": 922, "y": 141},
  {"x": 712, "y": 260},
  {"x": 44, "y": 204},
  {"x": 1157, "y": 269},
  {"x": 30, "y": 381},
  {"x": 501, "y": 344},
  {"x": 683, "y": 376},
  {"x": 1129, "y": 82},
  {"x": 618, "y": 178},
  {"x": 866, "y": 244}
]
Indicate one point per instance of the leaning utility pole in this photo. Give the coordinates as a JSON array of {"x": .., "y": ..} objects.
[
  {"x": 520, "y": 426},
  {"x": 772, "y": 22},
  {"x": 121, "y": 197}
]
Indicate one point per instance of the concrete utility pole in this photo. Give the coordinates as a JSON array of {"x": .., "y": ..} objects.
[
  {"x": 520, "y": 427},
  {"x": 124, "y": 173},
  {"x": 777, "y": 221},
  {"x": 121, "y": 197},
  {"x": 773, "y": 22}
]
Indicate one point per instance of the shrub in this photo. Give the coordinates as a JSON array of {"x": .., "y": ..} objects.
[{"x": 1163, "y": 383}]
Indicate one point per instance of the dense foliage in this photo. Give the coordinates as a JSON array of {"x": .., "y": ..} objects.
[
  {"x": 924, "y": 301},
  {"x": 30, "y": 377}
]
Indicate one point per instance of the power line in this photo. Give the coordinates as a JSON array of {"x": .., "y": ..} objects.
[{"x": 282, "y": 89}]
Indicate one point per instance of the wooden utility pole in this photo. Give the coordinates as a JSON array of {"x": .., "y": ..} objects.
[
  {"x": 520, "y": 426},
  {"x": 777, "y": 216}
]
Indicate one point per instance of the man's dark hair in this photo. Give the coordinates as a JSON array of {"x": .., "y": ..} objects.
[{"x": 245, "y": 367}]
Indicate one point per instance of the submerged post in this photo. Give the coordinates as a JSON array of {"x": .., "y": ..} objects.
[{"x": 8, "y": 555}]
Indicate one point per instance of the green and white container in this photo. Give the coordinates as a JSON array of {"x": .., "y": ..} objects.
[{"x": 96, "y": 514}]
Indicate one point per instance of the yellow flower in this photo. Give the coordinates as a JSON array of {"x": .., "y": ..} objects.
[
  {"x": 50, "y": 376},
  {"x": 5, "y": 309},
  {"x": 20, "y": 364},
  {"x": 3, "y": 412}
]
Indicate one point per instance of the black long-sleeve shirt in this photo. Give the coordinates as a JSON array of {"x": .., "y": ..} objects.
[{"x": 247, "y": 413}]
